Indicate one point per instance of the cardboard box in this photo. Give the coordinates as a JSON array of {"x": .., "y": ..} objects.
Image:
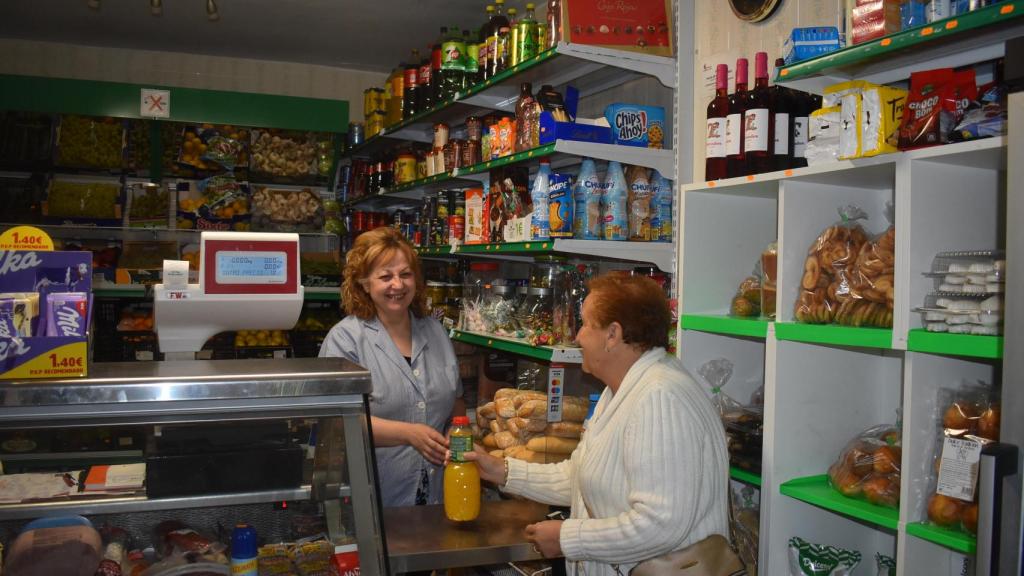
[
  {"x": 632, "y": 25},
  {"x": 807, "y": 43},
  {"x": 476, "y": 222}
]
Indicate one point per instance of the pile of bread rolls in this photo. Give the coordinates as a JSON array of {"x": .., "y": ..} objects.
[{"x": 515, "y": 424}]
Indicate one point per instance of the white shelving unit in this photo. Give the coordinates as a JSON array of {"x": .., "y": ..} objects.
[{"x": 823, "y": 385}]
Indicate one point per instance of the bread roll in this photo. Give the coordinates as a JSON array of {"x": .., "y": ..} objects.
[
  {"x": 504, "y": 393},
  {"x": 505, "y": 439},
  {"x": 496, "y": 426},
  {"x": 525, "y": 396},
  {"x": 513, "y": 425},
  {"x": 505, "y": 407},
  {"x": 525, "y": 454},
  {"x": 564, "y": 429},
  {"x": 574, "y": 412},
  {"x": 533, "y": 409},
  {"x": 489, "y": 442},
  {"x": 552, "y": 444},
  {"x": 532, "y": 424},
  {"x": 486, "y": 411},
  {"x": 497, "y": 453}
]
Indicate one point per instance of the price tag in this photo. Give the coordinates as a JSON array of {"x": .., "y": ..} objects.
[{"x": 958, "y": 470}]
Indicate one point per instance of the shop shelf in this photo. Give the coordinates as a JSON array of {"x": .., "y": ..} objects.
[
  {"x": 140, "y": 503},
  {"x": 548, "y": 353},
  {"x": 956, "y": 41},
  {"x": 952, "y": 539},
  {"x": 660, "y": 254},
  {"x": 744, "y": 476},
  {"x": 326, "y": 293},
  {"x": 921, "y": 340},
  {"x": 720, "y": 324},
  {"x": 816, "y": 490},
  {"x": 834, "y": 334}
]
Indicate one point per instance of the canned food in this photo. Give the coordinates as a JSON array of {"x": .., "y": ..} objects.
[
  {"x": 440, "y": 135},
  {"x": 372, "y": 99},
  {"x": 405, "y": 168},
  {"x": 356, "y": 133},
  {"x": 375, "y": 123}
]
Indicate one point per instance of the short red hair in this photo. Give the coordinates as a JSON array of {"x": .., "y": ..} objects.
[
  {"x": 637, "y": 303},
  {"x": 369, "y": 250}
]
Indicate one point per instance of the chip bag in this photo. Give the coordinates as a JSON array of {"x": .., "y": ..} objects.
[
  {"x": 869, "y": 467},
  {"x": 809, "y": 558}
]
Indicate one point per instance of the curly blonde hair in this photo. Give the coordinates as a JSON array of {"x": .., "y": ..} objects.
[{"x": 369, "y": 250}]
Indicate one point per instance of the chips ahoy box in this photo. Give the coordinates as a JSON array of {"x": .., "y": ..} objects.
[
  {"x": 45, "y": 303},
  {"x": 636, "y": 125}
]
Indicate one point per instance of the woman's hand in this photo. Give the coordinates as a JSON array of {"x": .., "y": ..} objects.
[
  {"x": 546, "y": 537},
  {"x": 427, "y": 441},
  {"x": 491, "y": 468}
]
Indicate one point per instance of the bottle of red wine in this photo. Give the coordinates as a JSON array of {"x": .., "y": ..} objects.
[
  {"x": 782, "y": 102},
  {"x": 714, "y": 142},
  {"x": 758, "y": 121},
  {"x": 735, "y": 163}
]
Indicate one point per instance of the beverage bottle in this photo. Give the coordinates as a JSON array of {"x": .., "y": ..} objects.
[
  {"x": 554, "y": 24},
  {"x": 505, "y": 42},
  {"x": 526, "y": 118},
  {"x": 758, "y": 121},
  {"x": 410, "y": 86},
  {"x": 806, "y": 103},
  {"x": 243, "y": 551},
  {"x": 396, "y": 95},
  {"x": 435, "y": 66},
  {"x": 718, "y": 112},
  {"x": 471, "y": 65},
  {"x": 615, "y": 224},
  {"x": 497, "y": 24},
  {"x": 461, "y": 478},
  {"x": 540, "y": 224},
  {"x": 486, "y": 31},
  {"x": 527, "y": 40},
  {"x": 735, "y": 164},
  {"x": 425, "y": 80},
  {"x": 661, "y": 222},
  {"x": 512, "y": 44},
  {"x": 782, "y": 101},
  {"x": 453, "y": 50}
]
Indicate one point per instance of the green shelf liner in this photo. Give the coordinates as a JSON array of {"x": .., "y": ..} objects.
[
  {"x": 744, "y": 476},
  {"x": 537, "y": 152},
  {"x": 533, "y": 247},
  {"x": 421, "y": 182},
  {"x": 816, "y": 490},
  {"x": 735, "y": 326},
  {"x": 952, "y": 539},
  {"x": 918, "y": 38},
  {"x": 921, "y": 340},
  {"x": 324, "y": 296},
  {"x": 834, "y": 334},
  {"x": 434, "y": 250},
  {"x": 519, "y": 348}
]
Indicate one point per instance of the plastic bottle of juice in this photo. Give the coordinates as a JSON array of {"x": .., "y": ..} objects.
[{"x": 461, "y": 478}]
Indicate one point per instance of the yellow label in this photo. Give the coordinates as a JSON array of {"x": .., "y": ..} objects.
[
  {"x": 64, "y": 361},
  {"x": 26, "y": 238}
]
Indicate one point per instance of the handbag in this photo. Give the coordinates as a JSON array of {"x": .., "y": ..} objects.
[{"x": 711, "y": 556}]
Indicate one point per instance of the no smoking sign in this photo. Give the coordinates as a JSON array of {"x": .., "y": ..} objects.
[{"x": 155, "y": 103}]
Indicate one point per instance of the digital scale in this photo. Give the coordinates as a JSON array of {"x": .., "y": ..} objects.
[{"x": 247, "y": 281}]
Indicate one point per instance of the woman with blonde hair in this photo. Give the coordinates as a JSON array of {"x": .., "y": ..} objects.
[
  {"x": 416, "y": 385},
  {"x": 650, "y": 474}
]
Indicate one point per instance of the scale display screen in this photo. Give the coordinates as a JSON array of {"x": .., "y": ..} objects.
[{"x": 251, "y": 267}]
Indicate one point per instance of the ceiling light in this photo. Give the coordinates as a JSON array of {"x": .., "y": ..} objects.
[
  {"x": 94, "y": 4},
  {"x": 211, "y": 11},
  {"x": 156, "y": 7}
]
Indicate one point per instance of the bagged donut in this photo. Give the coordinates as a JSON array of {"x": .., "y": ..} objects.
[{"x": 826, "y": 283}]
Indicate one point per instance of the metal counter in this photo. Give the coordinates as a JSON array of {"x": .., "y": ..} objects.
[{"x": 421, "y": 538}]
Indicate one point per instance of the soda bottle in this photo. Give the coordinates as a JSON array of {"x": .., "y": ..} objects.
[
  {"x": 540, "y": 227},
  {"x": 435, "y": 66},
  {"x": 244, "y": 550},
  {"x": 527, "y": 38},
  {"x": 461, "y": 478},
  {"x": 411, "y": 85},
  {"x": 471, "y": 64},
  {"x": 484, "y": 57},
  {"x": 512, "y": 45},
  {"x": 425, "y": 81},
  {"x": 505, "y": 42},
  {"x": 497, "y": 23},
  {"x": 554, "y": 24},
  {"x": 453, "y": 52}
]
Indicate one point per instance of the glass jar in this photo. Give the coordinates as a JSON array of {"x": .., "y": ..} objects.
[
  {"x": 499, "y": 310},
  {"x": 547, "y": 272},
  {"x": 654, "y": 274},
  {"x": 436, "y": 299},
  {"x": 480, "y": 274},
  {"x": 453, "y": 304},
  {"x": 535, "y": 317}
]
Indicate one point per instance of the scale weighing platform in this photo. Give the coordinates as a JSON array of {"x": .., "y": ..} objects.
[{"x": 247, "y": 281}]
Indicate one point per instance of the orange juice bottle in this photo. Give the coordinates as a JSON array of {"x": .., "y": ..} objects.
[{"x": 461, "y": 478}]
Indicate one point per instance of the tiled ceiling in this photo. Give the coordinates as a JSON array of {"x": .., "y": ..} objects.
[{"x": 360, "y": 34}]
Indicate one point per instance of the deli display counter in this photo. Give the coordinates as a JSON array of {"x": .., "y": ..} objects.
[{"x": 279, "y": 445}]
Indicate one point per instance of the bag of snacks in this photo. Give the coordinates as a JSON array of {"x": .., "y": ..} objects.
[
  {"x": 825, "y": 284},
  {"x": 743, "y": 424},
  {"x": 970, "y": 419},
  {"x": 872, "y": 284},
  {"x": 209, "y": 147},
  {"x": 937, "y": 101},
  {"x": 869, "y": 466},
  {"x": 886, "y": 565},
  {"x": 809, "y": 558}
]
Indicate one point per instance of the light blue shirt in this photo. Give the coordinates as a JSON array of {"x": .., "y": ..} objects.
[{"x": 422, "y": 392}]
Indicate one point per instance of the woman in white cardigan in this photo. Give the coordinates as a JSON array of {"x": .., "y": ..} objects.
[{"x": 650, "y": 474}]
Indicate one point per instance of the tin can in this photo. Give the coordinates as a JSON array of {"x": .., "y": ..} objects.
[
  {"x": 244, "y": 550},
  {"x": 356, "y": 133},
  {"x": 373, "y": 99},
  {"x": 474, "y": 129},
  {"x": 375, "y": 123},
  {"x": 405, "y": 167},
  {"x": 359, "y": 221},
  {"x": 440, "y": 135}
]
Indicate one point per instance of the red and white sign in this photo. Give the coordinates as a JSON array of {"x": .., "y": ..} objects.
[{"x": 155, "y": 103}]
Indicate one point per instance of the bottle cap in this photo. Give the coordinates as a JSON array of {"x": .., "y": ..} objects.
[
  {"x": 243, "y": 541},
  {"x": 460, "y": 421},
  {"x": 722, "y": 76},
  {"x": 529, "y": 6},
  {"x": 761, "y": 65}
]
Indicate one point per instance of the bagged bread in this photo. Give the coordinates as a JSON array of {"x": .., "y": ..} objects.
[
  {"x": 564, "y": 429},
  {"x": 524, "y": 396},
  {"x": 505, "y": 407},
  {"x": 552, "y": 444},
  {"x": 506, "y": 439},
  {"x": 826, "y": 282}
]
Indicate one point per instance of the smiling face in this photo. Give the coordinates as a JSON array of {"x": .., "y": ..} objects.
[{"x": 391, "y": 284}]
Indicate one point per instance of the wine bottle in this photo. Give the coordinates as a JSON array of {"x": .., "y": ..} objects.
[
  {"x": 735, "y": 163},
  {"x": 758, "y": 122},
  {"x": 718, "y": 110},
  {"x": 782, "y": 101}
]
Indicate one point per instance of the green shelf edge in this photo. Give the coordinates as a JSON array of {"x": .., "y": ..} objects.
[
  {"x": 324, "y": 296},
  {"x": 472, "y": 91},
  {"x": 921, "y": 340},
  {"x": 503, "y": 345},
  {"x": 533, "y": 247},
  {"x": 417, "y": 183},
  {"x": 952, "y": 539},
  {"x": 834, "y": 334},
  {"x": 815, "y": 490},
  {"x": 744, "y": 476},
  {"x": 752, "y": 327},
  {"x": 537, "y": 152},
  {"x": 887, "y": 45}
]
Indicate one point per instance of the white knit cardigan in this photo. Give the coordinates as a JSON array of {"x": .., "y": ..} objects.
[{"x": 649, "y": 476}]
